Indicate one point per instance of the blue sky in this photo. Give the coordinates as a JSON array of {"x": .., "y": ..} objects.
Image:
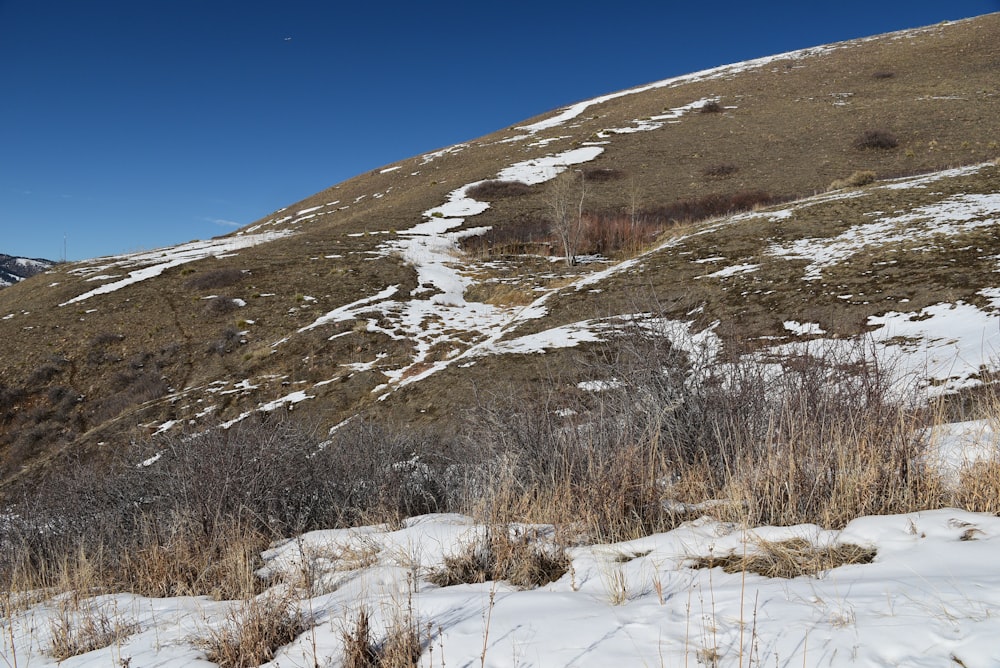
[{"x": 138, "y": 124}]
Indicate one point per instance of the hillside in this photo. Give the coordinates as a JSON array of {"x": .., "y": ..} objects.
[
  {"x": 403, "y": 292},
  {"x": 697, "y": 373}
]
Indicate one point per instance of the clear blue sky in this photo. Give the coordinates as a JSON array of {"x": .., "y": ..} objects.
[{"x": 129, "y": 125}]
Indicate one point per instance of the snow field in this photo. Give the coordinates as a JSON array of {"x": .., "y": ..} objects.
[{"x": 925, "y": 600}]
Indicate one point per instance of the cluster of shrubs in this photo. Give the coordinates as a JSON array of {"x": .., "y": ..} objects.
[
  {"x": 815, "y": 441},
  {"x": 609, "y": 232}
]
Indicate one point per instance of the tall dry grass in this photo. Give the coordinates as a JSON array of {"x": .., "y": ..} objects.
[{"x": 821, "y": 437}]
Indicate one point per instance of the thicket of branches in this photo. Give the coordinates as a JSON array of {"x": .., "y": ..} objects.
[{"x": 819, "y": 438}]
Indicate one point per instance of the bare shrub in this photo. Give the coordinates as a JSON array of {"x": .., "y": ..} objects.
[
  {"x": 215, "y": 279},
  {"x": 720, "y": 170},
  {"x": 490, "y": 190},
  {"x": 711, "y": 107},
  {"x": 229, "y": 339},
  {"x": 44, "y": 373},
  {"x": 254, "y": 631},
  {"x": 716, "y": 204},
  {"x": 518, "y": 236},
  {"x": 601, "y": 174},
  {"x": 816, "y": 438},
  {"x": 855, "y": 180},
  {"x": 220, "y": 305},
  {"x": 876, "y": 140},
  {"x": 9, "y": 398},
  {"x": 194, "y": 520},
  {"x": 98, "y": 351}
]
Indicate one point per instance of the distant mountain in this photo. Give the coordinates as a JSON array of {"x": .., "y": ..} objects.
[{"x": 15, "y": 269}]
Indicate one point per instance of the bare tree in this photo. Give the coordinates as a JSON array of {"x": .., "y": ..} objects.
[{"x": 567, "y": 223}]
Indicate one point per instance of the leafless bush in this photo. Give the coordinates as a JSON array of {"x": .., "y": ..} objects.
[
  {"x": 98, "y": 352},
  {"x": 228, "y": 339},
  {"x": 44, "y": 373},
  {"x": 490, "y": 190},
  {"x": 520, "y": 235},
  {"x": 601, "y": 174},
  {"x": 215, "y": 279},
  {"x": 814, "y": 438},
  {"x": 220, "y": 305},
  {"x": 876, "y": 140},
  {"x": 716, "y": 204},
  {"x": 194, "y": 519},
  {"x": 711, "y": 107},
  {"x": 720, "y": 170}
]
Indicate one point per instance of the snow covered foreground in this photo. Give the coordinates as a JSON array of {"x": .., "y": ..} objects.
[{"x": 928, "y": 599}]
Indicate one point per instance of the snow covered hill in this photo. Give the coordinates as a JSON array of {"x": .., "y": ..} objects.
[{"x": 15, "y": 269}]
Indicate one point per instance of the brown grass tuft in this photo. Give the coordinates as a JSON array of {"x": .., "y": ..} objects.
[
  {"x": 253, "y": 632},
  {"x": 401, "y": 648},
  {"x": 519, "y": 560},
  {"x": 789, "y": 558},
  {"x": 77, "y": 629},
  {"x": 861, "y": 177}
]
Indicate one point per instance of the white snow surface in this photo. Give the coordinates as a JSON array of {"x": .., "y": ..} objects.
[
  {"x": 949, "y": 217},
  {"x": 928, "y": 599},
  {"x": 437, "y": 310}
]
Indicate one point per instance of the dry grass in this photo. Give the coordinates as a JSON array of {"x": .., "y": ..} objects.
[
  {"x": 790, "y": 558},
  {"x": 78, "y": 628},
  {"x": 522, "y": 560},
  {"x": 501, "y": 293},
  {"x": 861, "y": 177},
  {"x": 979, "y": 487},
  {"x": 401, "y": 647},
  {"x": 254, "y": 631}
]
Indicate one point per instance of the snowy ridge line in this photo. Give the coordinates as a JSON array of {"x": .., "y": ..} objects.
[
  {"x": 160, "y": 260},
  {"x": 574, "y": 110}
]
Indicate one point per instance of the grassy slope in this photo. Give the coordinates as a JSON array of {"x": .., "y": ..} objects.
[{"x": 788, "y": 128}]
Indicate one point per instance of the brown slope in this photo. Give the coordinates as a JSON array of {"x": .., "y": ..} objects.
[{"x": 91, "y": 375}]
